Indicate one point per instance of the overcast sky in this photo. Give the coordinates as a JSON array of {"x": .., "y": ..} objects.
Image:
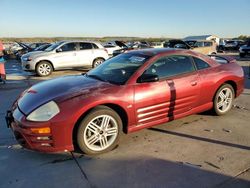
[{"x": 142, "y": 18}]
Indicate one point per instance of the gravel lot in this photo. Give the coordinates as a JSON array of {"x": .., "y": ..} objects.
[{"x": 197, "y": 151}]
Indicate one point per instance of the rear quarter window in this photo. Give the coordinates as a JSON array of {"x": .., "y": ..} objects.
[{"x": 200, "y": 64}]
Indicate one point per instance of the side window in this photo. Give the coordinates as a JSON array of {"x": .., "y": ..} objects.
[
  {"x": 200, "y": 64},
  {"x": 183, "y": 46},
  {"x": 85, "y": 46},
  {"x": 207, "y": 43},
  {"x": 199, "y": 44},
  {"x": 171, "y": 66},
  {"x": 69, "y": 47}
]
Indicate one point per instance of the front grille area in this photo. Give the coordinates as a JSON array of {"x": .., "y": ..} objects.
[
  {"x": 28, "y": 139},
  {"x": 20, "y": 139}
]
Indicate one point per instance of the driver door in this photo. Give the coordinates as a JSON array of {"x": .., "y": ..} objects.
[
  {"x": 151, "y": 101},
  {"x": 66, "y": 56},
  {"x": 173, "y": 96}
]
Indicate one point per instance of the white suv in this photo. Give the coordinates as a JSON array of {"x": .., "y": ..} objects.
[{"x": 64, "y": 55}]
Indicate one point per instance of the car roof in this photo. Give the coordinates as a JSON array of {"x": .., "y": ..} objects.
[
  {"x": 64, "y": 41},
  {"x": 204, "y": 40},
  {"x": 155, "y": 51}
]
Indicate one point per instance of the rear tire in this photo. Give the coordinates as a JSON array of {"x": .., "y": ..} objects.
[
  {"x": 99, "y": 131},
  {"x": 97, "y": 62},
  {"x": 44, "y": 68},
  {"x": 223, "y": 100}
]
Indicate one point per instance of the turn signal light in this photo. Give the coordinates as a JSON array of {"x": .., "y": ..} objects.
[{"x": 44, "y": 130}]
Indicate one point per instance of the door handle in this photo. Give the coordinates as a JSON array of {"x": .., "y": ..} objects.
[{"x": 193, "y": 83}]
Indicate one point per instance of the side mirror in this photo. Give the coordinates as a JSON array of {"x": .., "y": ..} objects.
[
  {"x": 148, "y": 78},
  {"x": 59, "y": 50}
]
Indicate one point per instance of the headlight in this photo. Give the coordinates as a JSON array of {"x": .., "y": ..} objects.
[
  {"x": 44, "y": 112},
  {"x": 27, "y": 58}
]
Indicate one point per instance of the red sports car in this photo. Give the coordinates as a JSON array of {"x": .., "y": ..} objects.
[{"x": 131, "y": 91}]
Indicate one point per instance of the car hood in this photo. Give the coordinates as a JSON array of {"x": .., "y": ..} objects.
[
  {"x": 32, "y": 53},
  {"x": 58, "y": 89},
  {"x": 37, "y": 54}
]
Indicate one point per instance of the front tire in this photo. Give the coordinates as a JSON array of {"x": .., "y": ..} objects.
[
  {"x": 44, "y": 68},
  {"x": 223, "y": 100},
  {"x": 99, "y": 131}
]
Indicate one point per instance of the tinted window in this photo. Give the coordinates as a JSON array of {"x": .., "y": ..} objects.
[
  {"x": 183, "y": 46},
  {"x": 171, "y": 66},
  {"x": 207, "y": 43},
  {"x": 200, "y": 64},
  {"x": 199, "y": 44},
  {"x": 68, "y": 47},
  {"x": 85, "y": 46}
]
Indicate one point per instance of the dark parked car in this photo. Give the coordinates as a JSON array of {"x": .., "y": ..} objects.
[
  {"x": 37, "y": 44},
  {"x": 176, "y": 43},
  {"x": 233, "y": 44},
  {"x": 126, "y": 49},
  {"x": 129, "y": 92},
  {"x": 245, "y": 49},
  {"x": 25, "y": 49},
  {"x": 30, "y": 48}
]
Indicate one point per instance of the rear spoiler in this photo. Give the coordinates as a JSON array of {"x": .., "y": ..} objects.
[{"x": 223, "y": 59}]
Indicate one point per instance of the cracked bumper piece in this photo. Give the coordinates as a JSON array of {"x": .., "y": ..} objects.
[{"x": 38, "y": 136}]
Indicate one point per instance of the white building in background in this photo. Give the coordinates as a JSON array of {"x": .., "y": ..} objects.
[{"x": 204, "y": 37}]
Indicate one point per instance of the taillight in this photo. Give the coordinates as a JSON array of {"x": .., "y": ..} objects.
[{"x": 105, "y": 50}]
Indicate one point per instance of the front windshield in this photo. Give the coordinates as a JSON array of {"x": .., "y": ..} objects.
[
  {"x": 42, "y": 47},
  {"x": 119, "y": 69},
  {"x": 53, "y": 46}
]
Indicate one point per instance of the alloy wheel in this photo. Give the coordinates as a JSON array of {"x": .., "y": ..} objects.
[
  {"x": 224, "y": 100},
  {"x": 98, "y": 62},
  {"x": 101, "y": 132},
  {"x": 44, "y": 69}
]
